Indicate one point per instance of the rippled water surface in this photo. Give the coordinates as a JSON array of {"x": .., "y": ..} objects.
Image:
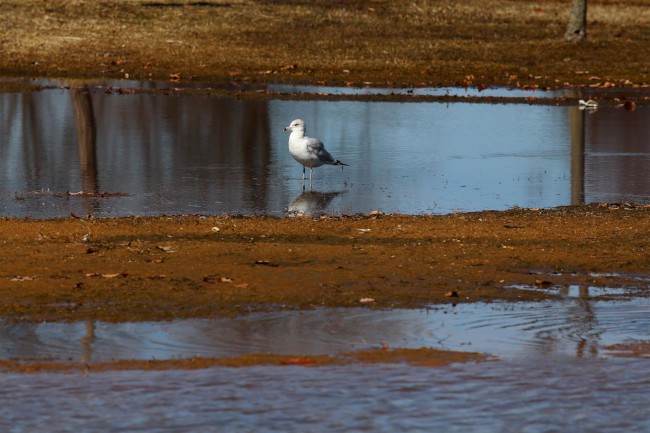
[
  {"x": 576, "y": 328},
  {"x": 208, "y": 154},
  {"x": 592, "y": 396},
  {"x": 552, "y": 372},
  {"x": 157, "y": 153}
]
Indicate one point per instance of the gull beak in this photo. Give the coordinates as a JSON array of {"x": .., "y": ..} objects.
[{"x": 288, "y": 128}]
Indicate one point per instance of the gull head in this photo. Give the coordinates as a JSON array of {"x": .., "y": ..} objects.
[{"x": 296, "y": 125}]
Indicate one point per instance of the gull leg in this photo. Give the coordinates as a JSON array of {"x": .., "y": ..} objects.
[{"x": 311, "y": 172}]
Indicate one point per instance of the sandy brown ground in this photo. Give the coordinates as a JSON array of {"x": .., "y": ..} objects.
[
  {"x": 514, "y": 42},
  {"x": 120, "y": 269}
]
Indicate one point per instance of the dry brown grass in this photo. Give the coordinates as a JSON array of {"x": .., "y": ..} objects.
[{"x": 441, "y": 42}]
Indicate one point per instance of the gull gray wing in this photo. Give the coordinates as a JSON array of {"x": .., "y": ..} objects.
[
  {"x": 317, "y": 148},
  {"x": 314, "y": 145}
]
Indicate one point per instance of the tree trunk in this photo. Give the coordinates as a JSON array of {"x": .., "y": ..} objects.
[{"x": 577, "y": 29}]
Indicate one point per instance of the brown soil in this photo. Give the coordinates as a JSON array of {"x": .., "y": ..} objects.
[
  {"x": 423, "y": 357},
  {"x": 514, "y": 42},
  {"x": 635, "y": 349},
  {"x": 126, "y": 269}
]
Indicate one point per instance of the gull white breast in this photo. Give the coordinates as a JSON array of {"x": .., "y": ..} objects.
[{"x": 308, "y": 151}]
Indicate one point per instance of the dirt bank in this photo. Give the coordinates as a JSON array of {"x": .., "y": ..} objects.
[
  {"x": 423, "y": 357},
  {"x": 377, "y": 41},
  {"x": 126, "y": 269}
]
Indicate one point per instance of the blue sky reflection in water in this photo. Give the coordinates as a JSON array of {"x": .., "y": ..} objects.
[
  {"x": 553, "y": 372},
  {"x": 201, "y": 154}
]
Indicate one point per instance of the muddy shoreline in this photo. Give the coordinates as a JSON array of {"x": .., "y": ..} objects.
[
  {"x": 423, "y": 357},
  {"x": 160, "y": 268}
]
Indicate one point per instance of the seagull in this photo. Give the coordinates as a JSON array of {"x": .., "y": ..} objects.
[
  {"x": 308, "y": 151},
  {"x": 587, "y": 104}
]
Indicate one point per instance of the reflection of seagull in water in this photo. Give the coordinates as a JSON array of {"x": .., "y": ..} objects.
[
  {"x": 308, "y": 151},
  {"x": 312, "y": 202}
]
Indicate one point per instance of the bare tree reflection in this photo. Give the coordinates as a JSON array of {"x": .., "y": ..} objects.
[
  {"x": 577, "y": 325},
  {"x": 87, "y": 342},
  {"x": 617, "y": 155},
  {"x": 256, "y": 151},
  {"x": 583, "y": 324},
  {"x": 86, "y": 143},
  {"x": 590, "y": 333},
  {"x": 577, "y": 128},
  {"x": 186, "y": 154}
]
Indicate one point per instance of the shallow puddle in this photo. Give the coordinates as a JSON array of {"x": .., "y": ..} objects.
[
  {"x": 591, "y": 292},
  {"x": 572, "y": 328},
  {"x": 552, "y": 373},
  {"x": 470, "y": 91},
  {"x": 156, "y": 153}
]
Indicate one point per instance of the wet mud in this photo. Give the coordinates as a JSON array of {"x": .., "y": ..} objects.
[
  {"x": 422, "y": 357},
  {"x": 634, "y": 349},
  {"x": 157, "y": 268}
]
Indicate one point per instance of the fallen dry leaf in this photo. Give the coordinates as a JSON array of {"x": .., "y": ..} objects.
[
  {"x": 264, "y": 262},
  {"x": 22, "y": 278},
  {"x": 629, "y": 105},
  {"x": 98, "y": 275}
]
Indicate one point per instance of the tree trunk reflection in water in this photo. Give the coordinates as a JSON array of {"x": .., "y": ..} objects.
[
  {"x": 87, "y": 342},
  {"x": 86, "y": 143},
  {"x": 256, "y": 153},
  {"x": 577, "y": 128}
]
